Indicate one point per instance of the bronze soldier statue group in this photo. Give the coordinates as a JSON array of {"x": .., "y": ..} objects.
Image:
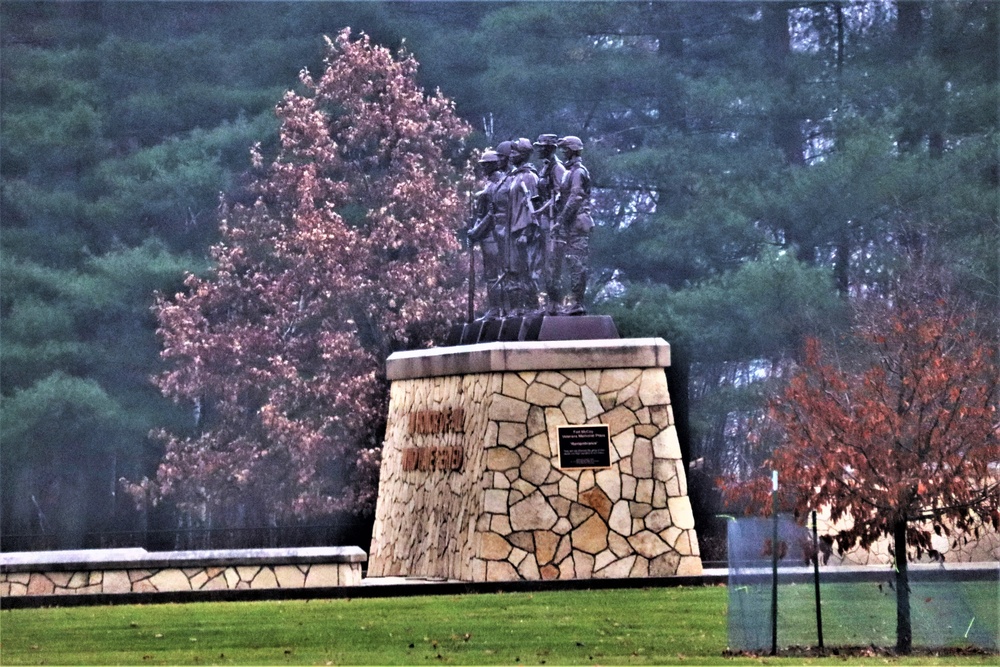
[{"x": 533, "y": 227}]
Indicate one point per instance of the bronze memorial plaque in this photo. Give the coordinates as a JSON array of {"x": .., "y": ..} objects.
[{"x": 584, "y": 446}]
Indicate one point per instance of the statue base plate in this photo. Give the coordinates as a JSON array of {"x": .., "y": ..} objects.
[{"x": 533, "y": 328}]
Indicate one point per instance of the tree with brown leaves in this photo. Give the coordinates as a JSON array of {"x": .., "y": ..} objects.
[
  {"x": 342, "y": 251},
  {"x": 905, "y": 444}
]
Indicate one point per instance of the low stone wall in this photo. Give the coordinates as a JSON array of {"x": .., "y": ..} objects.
[
  {"x": 471, "y": 484},
  {"x": 139, "y": 571}
]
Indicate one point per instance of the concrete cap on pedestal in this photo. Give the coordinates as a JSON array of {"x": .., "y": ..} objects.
[{"x": 529, "y": 356}]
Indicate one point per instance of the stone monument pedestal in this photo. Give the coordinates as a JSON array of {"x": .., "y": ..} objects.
[{"x": 533, "y": 460}]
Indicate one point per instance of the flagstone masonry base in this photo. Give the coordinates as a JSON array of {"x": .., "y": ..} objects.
[
  {"x": 139, "y": 571},
  {"x": 508, "y": 512}
]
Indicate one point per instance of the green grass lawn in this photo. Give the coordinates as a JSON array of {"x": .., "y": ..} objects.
[{"x": 632, "y": 626}]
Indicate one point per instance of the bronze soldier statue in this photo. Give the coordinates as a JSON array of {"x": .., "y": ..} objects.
[
  {"x": 549, "y": 181},
  {"x": 501, "y": 213},
  {"x": 526, "y": 237},
  {"x": 571, "y": 231},
  {"x": 484, "y": 232}
]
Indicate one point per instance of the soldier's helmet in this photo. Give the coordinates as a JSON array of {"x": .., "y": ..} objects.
[
  {"x": 522, "y": 146},
  {"x": 489, "y": 156},
  {"x": 503, "y": 149},
  {"x": 571, "y": 143},
  {"x": 547, "y": 140}
]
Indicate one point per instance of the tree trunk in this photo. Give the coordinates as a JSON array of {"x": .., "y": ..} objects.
[{"x": 904, "y": 629}]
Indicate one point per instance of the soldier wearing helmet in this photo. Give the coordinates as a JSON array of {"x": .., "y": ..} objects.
[
  {"x": 571, "y": 231},
  {"x": 500, "y": 200},
  {"x": 549, "y": 180},
  {"x": 525, "y": 250},
  {"x": 483, "y": 231}
]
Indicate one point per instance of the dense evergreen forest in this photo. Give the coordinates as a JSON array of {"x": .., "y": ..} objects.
[{"x": 756, "y": 165}]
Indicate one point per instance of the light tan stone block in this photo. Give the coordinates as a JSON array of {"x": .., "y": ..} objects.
[
  {"x": 506, "y": 409},
  {"x": 689, "y": 566},
  {"x": 648, "y": 544},
  {"x": 563, "y": 550},
  {"x": 616, "y": 379},
  {"x": 523, "y": 487},
  {"x": 567, "y": 487},
  {"x": 96, "y": 578},
  {"x": 289, "y": 576},
  {"x": 141, "y": 586},
  {"x": 20, "y": 577},
  {"x": 532, "y": 513},
  {"x": 661, "y": 415},
  {"x": 170, "y": 579},
  {"x": 562, "y": 526},
  {"x": 536, "y": 421},
  {"x": 664, "y": 565},
  {"x": 666, "y": 445},
  {"x": 536, "y": 469},
  {"x": 658, "y": 520},
  {"x": 501, "y": 458},
  {"x": 350, "y": 574},
  {"x": 528, "y": 376},
  {"x": 586, "y": 480},
  {"x": 592, "y": 536},
  {"x": 528, "y": 569},
  {"x": 610, "y": 482},
  {"x": 680, "y": 512},
  {"x": 17, "y": 589},
  {"x": 500, "y": 524},
  {"x": 60, "y": 579},
  {"x": 545, "y": 545},
  {"x": 216, "y": 583},
  {"x": 247, "y": 572},
  {"x": 512, "y": 435},
  {"x": 514, "y": 386},
  {"x": 624, "y": 443},
  {"x": 604, "y": 559},
  {"x": 591, "y": 402},
  {"x": 495, "y": 501},
  {"x": 640, "y": 568},
  {"x": 136, "y": 575},
  {"x": 644, "y": 491},
  {"x": 653, "y": 387},
  {"x": 619, "y": 419},
  {"x": 551, "y": 378},
  {"x": 79, "y": 579},
  {"x": 628, "y": 487},
  {"x": 494, "y": 547},
  {"x": 264, "y": 579},
  {"x": 671, "y": 534},
  {"x": 4, "y": 589},
  {"x": 540, "y": 445},
  {"x": 560, "y": 505},
  {"x": 544, "y": 395},
  {"x": 659, "y": 494},
  {"x": 39, "y": 584},
  {"x": 197, "y": 581},
  {"x": 621, "y": 518},
  {"x": 617, "y": 570},
  {"x": 640, "y": 510},
  {"x": 500, "y": 571},
  {"x": 117, "y": 581},
  {"x": 516, "y": 556},
  {"x": 567, "y": 570},
  {"x": 574, "y": 410},
  {"x": 583, "y": 564},
  {"x": 642, "y": 459},
  {"x": 500, "y": 481}
]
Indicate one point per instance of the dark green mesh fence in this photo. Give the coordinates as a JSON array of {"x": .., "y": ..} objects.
[{"x": 951, "y": 605}]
